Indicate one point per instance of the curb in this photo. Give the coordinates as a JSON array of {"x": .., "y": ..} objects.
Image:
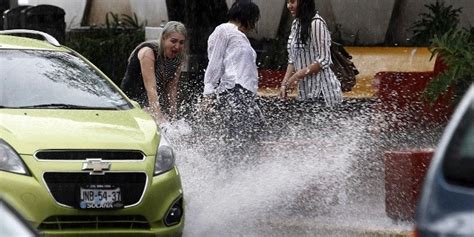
[{"x": 312, "y": 228}]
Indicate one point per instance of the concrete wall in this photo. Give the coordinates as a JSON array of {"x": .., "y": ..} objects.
[
  {"x": 368, "y": 19},
  {"x": 413, "y": 8},
  {"x": 270, "y": 15},
  {"x": 152, "y": 11},
  {"x": 362, "y": 21},
  {"x": 360, "y": 24},
  {"x": 100, "y": 8}
]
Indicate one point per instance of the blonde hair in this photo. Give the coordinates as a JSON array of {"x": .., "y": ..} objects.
[
  {"x": 173, "y": 27},
  {"x": 168, "y": 29}
]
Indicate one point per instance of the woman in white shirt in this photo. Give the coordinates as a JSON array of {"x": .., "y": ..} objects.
[
  {"x": 309, "y": 57},
  {"x": 231, "y": 77}
]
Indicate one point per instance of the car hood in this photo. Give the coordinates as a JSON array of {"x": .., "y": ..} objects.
[{"x": 31, "y": 130}]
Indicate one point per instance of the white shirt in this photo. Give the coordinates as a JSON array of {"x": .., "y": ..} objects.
[
  {"x": 231, "y": 60},
  {"x": 317, "y": 49}
]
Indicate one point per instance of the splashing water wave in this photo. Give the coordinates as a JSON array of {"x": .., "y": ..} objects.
[{"x": 318, "y": 172}]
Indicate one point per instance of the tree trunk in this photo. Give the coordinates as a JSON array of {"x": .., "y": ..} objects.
[
  {"x": 87, "y": 12},
  {"x": 201, "y": 19},
  {"x": 4, "y": 5},
  {"x": 175, "y": 10},
  {"x": 394, "y": 24}
]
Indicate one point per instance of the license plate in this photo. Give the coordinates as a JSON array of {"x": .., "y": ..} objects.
[{"x": 100, "y": 196}]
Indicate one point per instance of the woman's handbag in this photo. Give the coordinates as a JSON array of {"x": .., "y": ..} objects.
[{"x": 343, "y": 67}]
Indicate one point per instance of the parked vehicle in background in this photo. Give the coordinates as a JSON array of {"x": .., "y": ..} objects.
[
  {"x": 76, "y": 155},
  {"x": 13, "y": 224},
  {"x": 446, "y": 207}
]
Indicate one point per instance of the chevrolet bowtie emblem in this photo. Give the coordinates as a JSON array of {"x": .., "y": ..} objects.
[{"x": 96, "y": 166}]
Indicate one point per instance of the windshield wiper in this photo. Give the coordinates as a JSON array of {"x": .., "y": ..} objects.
[{"x": 64, "y": 106}]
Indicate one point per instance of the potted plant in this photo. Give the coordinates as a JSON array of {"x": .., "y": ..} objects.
[
  {"x": 456, "y": 50},
  {"x": 452, "y": 46}
]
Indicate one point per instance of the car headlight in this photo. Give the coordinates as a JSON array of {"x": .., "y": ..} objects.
[
  {"x": 164, "y": 157},
  {"x": 10, "y": 161}
]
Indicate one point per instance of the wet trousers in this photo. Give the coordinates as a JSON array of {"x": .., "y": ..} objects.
[{"x": 232, "y": 131}]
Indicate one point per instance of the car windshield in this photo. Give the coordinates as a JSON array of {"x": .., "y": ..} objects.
[
  {"x": 49, "y": 79},
  {"x": 459, "y": 162}
]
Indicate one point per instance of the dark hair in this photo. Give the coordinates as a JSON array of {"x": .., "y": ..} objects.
[
  {"x": 305, "y": 12},
  {"x": 244, "y": 11}
]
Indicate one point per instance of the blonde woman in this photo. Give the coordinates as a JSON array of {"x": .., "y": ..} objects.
[{"x": 153, "y": 71}]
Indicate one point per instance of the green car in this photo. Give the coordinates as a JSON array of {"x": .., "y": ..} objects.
[{"x": 77, "y": 157}]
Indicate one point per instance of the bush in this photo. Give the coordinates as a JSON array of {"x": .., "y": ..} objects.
[
  {"x": 456, "y": 49},
  {"x": 438, "y": 21},
  {"x": 108, "y": 46}
]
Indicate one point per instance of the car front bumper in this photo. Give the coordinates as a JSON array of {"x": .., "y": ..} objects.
[{"x": 30, "y": 196}]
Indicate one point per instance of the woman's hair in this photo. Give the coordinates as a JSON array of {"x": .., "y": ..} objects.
[
  {"x": 305, "y": 12},
  {"x": 244, "y": 11},
  {"x": 168, "y": 29}
]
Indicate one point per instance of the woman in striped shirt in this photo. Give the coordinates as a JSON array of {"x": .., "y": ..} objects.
[{"x": 309, "y": 57}]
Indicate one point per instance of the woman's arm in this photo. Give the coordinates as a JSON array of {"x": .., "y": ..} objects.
[
  {"x": 217, "y": 44},
  {"x": 290, "y": 69},
  {"x": 321, "y": 41},
  {"x": 147, "y": 66},
  {"x": 172, "y": 89}
]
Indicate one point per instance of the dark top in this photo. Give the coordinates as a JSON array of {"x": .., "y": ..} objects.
[{"x": 132, "y": 83}]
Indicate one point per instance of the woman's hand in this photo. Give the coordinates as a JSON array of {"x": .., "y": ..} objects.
[
  {"x": 283, "y": 92},
  {"x": 155, "y": 112}
]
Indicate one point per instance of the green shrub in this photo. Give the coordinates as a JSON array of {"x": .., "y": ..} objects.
[
  {"x": 439, "y": 20},
  {"x": 108, "y": 46},
  {"x": 456, "y": 48}
]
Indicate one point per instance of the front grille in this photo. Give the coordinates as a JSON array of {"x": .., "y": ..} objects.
[
  {"x": 65, "y": 186},
  {"x": 88, "y": 154},
  {"x": 94, "y": 222}
]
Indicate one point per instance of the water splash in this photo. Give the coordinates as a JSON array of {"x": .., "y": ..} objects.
[{"x": 317, "y": 171}]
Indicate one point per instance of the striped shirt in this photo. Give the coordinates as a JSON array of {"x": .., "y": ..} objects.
[{"x": 316, "y": 50}]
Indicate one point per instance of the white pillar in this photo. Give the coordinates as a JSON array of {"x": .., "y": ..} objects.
[
  {"x": 366, "y": 19},
  {"x": 153, "y": 11},
  {"x": 270, "y": 16}
]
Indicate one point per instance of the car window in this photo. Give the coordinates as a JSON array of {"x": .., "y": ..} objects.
[
  {"x": 458, "y": 164},
  {"x": 34, "y": 78}
]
